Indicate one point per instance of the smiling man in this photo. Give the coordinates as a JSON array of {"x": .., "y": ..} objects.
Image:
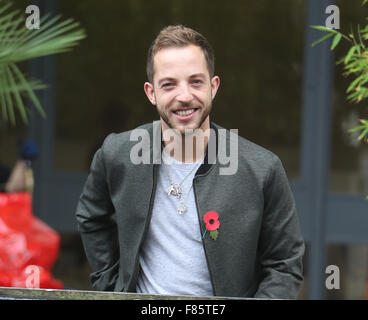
[
  {"x": 179, "y": 226},
  {"x": 182, "y": 84},
  {"x": 182, "y": 88}
]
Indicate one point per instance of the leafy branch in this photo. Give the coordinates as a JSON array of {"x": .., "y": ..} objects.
[
  {"x": 18, "y": 44},
  {"x": 355, "y": 64}
]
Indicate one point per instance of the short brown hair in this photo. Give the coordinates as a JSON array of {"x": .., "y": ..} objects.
[{"x": 179, "y": 36}]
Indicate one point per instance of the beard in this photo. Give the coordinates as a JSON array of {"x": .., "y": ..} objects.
[{"x": 197, "y": 125}]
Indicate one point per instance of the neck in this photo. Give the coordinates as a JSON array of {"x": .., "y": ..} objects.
[{"x": 189, "y": 146}]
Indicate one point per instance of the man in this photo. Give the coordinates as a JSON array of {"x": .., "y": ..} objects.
[{"x": 178, "y": 226}]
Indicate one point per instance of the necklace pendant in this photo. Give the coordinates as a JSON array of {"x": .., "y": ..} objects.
[
  {"x": 174, "y": 190},
  {"x": 182, "y": 208},
  {"x": 170, "y": 190}
]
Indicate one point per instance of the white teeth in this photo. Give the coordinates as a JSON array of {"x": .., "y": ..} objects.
[{"x": 185, "y": 112}]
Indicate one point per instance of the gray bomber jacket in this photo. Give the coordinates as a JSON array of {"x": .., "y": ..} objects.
[{"x": 258, "y": 252}]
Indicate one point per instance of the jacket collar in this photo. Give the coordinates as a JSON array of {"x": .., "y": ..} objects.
[
  {"x": 210, "y": 156},
  {"x": 207, "y": 162}
]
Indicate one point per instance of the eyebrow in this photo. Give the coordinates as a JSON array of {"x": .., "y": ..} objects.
[
  {"x": 165, "y": 79},
  {"x": 196, "y": 75}
]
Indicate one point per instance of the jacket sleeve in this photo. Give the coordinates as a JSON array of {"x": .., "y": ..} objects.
[
  {"x": 281, "y": 242},
  {"x": 98, "y": 229}
]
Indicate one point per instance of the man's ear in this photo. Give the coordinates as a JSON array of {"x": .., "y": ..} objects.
[
  {"x": 148, "y": 89},
  {"x": 215, "y": 83}
]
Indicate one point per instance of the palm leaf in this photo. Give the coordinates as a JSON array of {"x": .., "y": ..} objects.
[
  {"x": 16, "y": 93},
  {"x": 7, "y": 93},
  {"x": 18, "y": 44},
  {"x": 29, "y": 87},
  {"x": 4, "y": 110}
]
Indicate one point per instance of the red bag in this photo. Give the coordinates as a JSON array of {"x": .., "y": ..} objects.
[{"x": 28, "y": 247}]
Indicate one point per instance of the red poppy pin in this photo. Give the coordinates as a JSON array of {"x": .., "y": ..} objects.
[{"x": 211, "y": 219}]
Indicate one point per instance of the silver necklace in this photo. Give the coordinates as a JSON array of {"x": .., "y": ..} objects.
[
  {"x": 182, "y": 207},
  {"x": 174, "y": 188}
]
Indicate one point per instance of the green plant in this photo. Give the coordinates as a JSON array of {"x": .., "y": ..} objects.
[
  {"x": 18, "y": 44},
  {"x": 355, "y": 63}
]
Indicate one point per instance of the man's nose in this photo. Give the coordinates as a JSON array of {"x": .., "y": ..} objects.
[{"x": 184, "y": 95}]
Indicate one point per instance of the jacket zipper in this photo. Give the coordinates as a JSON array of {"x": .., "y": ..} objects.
[
  {"x": 204, "y": 246},
  {"x": 148, "y": 220}
]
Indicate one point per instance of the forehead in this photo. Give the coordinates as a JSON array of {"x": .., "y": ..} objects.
[{"x": 178, "y": 62}]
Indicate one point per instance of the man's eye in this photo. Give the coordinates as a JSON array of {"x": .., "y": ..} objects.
[
  {"x": 197, "y": 81},
  {"x": 165, "y": 85}
]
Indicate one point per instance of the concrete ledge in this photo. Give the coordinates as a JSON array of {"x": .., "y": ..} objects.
[{"x": 7, "y": 293}]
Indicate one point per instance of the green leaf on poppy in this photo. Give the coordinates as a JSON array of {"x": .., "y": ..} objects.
[{"x": 214, "y": 234}]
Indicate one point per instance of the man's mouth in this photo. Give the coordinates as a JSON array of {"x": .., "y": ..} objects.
[{"x": 184, "y": 113}]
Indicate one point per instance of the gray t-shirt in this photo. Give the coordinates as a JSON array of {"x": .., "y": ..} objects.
[{"x": 172, "y": 258}]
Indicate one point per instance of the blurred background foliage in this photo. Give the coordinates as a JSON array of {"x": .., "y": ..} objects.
[
  {"x": 346, "y": 151},
  {"x": 20, "y": 43}
]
